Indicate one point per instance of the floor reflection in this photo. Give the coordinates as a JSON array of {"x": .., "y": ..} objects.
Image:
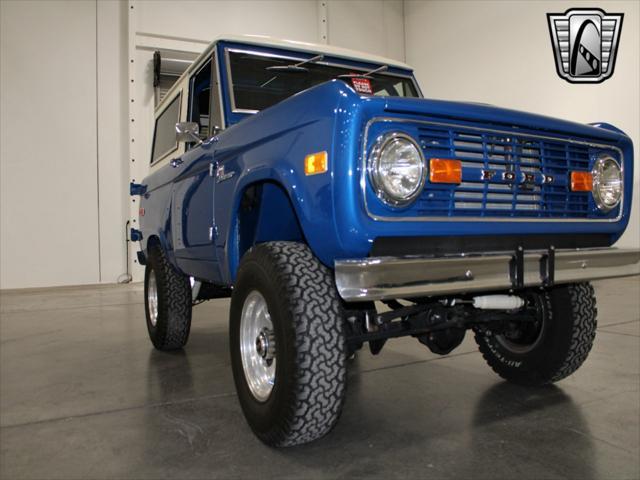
[
  {"x": 539, "y": 424},
  {"x": 169, "y": 374}
]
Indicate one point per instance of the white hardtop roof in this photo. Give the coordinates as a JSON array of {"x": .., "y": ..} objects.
[{"x": 307, "y": 47}]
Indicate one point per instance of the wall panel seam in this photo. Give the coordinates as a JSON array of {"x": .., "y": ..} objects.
[{"x": 98, "y": 156}]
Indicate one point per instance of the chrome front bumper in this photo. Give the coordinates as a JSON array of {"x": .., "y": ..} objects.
[{"x": 406, "y": 277}]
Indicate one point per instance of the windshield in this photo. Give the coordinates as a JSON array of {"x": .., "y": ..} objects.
[{"x": 256, "y": 88}]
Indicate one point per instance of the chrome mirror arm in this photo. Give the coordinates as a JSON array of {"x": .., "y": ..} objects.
[{"x": 188, "y": 132}]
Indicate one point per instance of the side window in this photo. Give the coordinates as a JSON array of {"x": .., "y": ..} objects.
[
  {"x": 200, "y": 100},
  {"x": 164, "y": 137}
]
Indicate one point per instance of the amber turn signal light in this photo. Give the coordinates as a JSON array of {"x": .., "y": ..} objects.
[
  {"x": 316, "y": 163},
  {"x": 442, "y": 170},
  {"x": 581, "y": 181}
]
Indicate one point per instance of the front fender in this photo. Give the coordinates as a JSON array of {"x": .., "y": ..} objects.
[{"x": 271, "y": 146}]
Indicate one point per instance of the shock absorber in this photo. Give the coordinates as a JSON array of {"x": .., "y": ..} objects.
[{"x": 498, "y": 302}]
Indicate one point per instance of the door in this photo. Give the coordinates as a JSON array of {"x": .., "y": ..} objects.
[{"x": 193, "y": 220}]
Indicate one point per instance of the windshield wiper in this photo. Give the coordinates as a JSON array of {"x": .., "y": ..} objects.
[
  {"x": 295, "y": 67},
  {"x": 368, "y": 74}
]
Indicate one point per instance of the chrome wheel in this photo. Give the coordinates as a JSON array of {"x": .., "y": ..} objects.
[
  {"x": 152, "y": 298},
  {"x": 257, "y": 346}
]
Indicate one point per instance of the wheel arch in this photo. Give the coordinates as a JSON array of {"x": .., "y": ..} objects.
[
  {"x": 160, "y": 240},
  {"x": 254, "y": 221}
]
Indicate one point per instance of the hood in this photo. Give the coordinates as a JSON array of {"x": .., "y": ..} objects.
[{"x": 490, "y": 115}]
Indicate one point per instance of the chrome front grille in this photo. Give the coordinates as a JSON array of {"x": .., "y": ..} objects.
[{"x": 504, "y": 175}]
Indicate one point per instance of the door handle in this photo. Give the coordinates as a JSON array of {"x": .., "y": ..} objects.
[{"x": 176, "y": 162}]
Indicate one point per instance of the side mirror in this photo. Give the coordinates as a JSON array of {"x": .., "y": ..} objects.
[{"x": 188, "y": 132}]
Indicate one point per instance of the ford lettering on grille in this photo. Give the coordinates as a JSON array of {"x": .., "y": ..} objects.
[{"x": 508, "y": 175}]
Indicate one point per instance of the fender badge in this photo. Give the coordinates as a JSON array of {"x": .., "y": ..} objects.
[{"x": 221, "y": 176}]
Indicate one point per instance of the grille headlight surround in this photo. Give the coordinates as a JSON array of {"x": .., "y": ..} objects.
[
  {"x": 397, "y": 169},
  {"x": 607, "y": 183}
]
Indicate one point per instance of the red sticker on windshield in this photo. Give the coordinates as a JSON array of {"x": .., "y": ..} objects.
[{"x": 362, "y": 85}]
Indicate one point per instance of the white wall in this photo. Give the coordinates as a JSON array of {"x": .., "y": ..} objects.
[
  {"x": 70, "y": 133},
  {"x": 113, "y": 141},
  {"x": 375, "y": 26},
  {"x": 48, "y": 144},
  {"x": 202, "y": 20},
  {"x": 500, "y": 52}
]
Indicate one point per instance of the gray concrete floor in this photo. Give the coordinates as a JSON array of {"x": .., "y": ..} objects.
[{"x": 84, "y": 395}]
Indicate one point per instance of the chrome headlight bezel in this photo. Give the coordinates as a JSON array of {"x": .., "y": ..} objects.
[
  {"x": 375, "y": 176},
  {"x": 596, "y": 173}
]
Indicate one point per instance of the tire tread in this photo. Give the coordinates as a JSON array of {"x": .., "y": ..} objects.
[
  {"x": 582, "y": 313},
  {"x": 308, "y": 291},
  {"x": 175, "y": 303},
  {"x": 583, "y": 303}
]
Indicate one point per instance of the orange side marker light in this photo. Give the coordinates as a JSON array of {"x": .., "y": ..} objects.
[
  {"x": 316, "y": 163},
  {"x": 443, "y": 170},
  {"x": 581, "y": 181}
]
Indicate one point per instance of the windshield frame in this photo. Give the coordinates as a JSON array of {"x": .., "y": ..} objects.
[{"x": 300, "y": 58}]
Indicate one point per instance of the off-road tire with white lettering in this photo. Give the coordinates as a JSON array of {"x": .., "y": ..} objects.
[
  {"x": 173, "y": 324},
  {"x": 564, "y": 343},
  {"x": 307, "y": 315}
]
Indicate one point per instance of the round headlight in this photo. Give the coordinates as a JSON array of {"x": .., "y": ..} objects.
[
  {"x": 607, "y": 183},
  {"x": 397, "y": 169}
]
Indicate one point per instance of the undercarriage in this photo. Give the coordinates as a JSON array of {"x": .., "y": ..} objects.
[{"x": 441, "y": 324}]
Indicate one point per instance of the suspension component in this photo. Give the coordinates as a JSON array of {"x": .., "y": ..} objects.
[
  {"x": 443, "y": 341},
  {"x": 498, "y": 302},
  {"x": 440, "y": 324}
]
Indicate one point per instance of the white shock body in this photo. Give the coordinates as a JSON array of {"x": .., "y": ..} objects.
[{"x": 498, "y": 302}]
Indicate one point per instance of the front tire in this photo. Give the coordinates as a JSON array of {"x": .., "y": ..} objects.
[
  {"x": 290, "y": 378},
  {"x": 552, "y": 348},
  {"x": 168, "y": 302}
]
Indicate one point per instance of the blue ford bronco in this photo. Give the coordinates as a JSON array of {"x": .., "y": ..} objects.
[{"x": 337, "y": 206}]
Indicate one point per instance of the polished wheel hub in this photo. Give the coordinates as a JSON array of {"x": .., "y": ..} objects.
[
  {"x": 152, "y": 298},
  {"x": 257, "y": 346},
  {"x": 265, "y": 344}
]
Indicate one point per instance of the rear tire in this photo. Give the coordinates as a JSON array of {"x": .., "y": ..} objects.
[
  {"x": 168, "y": 302},
  {"x": 301, "y": 318},
  {"x": 557, "y": 349}
]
